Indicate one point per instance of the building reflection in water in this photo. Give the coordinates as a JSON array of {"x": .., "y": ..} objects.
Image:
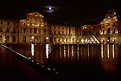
[
  {"x": 32, "y": 49},
  {"x": 109, "y": 61},
  {"x": 104, "y": 56},
  {"x": 48, "y": 50}
]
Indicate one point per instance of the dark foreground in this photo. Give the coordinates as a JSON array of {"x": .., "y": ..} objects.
[{"x": 13, "y": 69}]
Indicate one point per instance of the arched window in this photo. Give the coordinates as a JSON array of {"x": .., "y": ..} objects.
[
  {"x": 14, "y": 38},
  {"x": 24, "y": 39},
  {"x": 114, "y": 31},
  {"x": 108, "y": 30}
]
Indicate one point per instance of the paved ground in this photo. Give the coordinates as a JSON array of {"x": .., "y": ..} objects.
[{"x": 13, "y": 69}]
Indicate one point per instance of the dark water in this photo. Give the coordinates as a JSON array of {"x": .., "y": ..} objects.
[
  {"x": 13, "y": 69},
  {"x": 77, "y": 62}
]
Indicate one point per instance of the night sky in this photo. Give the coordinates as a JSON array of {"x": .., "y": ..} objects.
[{"x": 77, "y": 12}]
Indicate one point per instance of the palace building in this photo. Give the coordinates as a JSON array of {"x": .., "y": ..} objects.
[{"x": 33, "y": 29}]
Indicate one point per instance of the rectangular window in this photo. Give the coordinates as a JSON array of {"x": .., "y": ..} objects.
[
  {"x": 7, "y": 38},
  {"x": 7, "y": 30},
  {"x": 35, "y": 30},
  {"x": 1, "y": 30},
  {"x": 0, "y": 37},
  {"x": 1, "y": 22},
  {"x": 14, "y": 31}
]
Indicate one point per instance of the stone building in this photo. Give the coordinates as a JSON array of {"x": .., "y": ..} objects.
[
  {"x": 110, "y": 28},
  {"x": 63, "y": 34},
  {"x": 8, "y": 31},
  {"x": 33, "y": 29}
]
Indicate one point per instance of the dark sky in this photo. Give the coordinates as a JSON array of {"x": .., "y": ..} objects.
[{"x": 69, "y": 11}]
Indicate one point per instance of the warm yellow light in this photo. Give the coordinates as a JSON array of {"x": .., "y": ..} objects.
[
  {"x": 35, "y": 25},
  {"x": 47, "y": 37},
  {"x": 32, "y": 37},
  {"x": 101, "y": 33},
  {"x": 42, "y": 25},
  {"x": 82, "y": 40}
]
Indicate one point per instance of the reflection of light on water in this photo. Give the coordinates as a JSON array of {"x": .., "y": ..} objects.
[
  {"x": 78, "y": 51},
  {"x": 108, "y": 50},
  {"x": 102, "y": 50},
  {"x": 64, "y": 52},
  {"x": 32, "y": 49},
  {"x": 88, "y": 50},
  {"x": 68, "y": 51},
  {"x": 113, "y": 51},
  {"x": 72, "y": 50},
  {"x": 48, "y": 50}
]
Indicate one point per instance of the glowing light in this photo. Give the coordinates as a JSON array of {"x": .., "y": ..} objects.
[
  {"x": 78, "y": 51},
  {"x": 108, "y": 50},
  {"x": 32, "y": 49},
  {"x": 47, "y": 37},
  {"x": 64, "y": 52},
  {"x": 72, "y": 51},
  {"x": 50, "y": 9},
  {"x": 32, "y": 37},
  {"x": 48, "y": 50},
  {"x": 82, "y": 41},
  {"x": 101, "y": 33},
  {"x": 113, "y": 51},
  {"x": 47, "y": 45}
]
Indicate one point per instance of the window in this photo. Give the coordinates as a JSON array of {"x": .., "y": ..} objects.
[
  {"x": 1, "y": 22},
  {"x": 14, "y": 38},
  {"x": 24, "y": 39},
  {"x": 108, "y": 30},
  {"x": 1, "y": 30},
  {"x": 114, "y": 31},
  {"x": 7, "y": 29},
  {"x": 7, "y": 38},
  {"x": 103, "y": 31},
  {"x": 0, "y": 37},
  {"x": 35, "y": 30},
  {"x": 14, "y": 31}
]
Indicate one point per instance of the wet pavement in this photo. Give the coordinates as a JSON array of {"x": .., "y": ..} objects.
[{"x": 13, "y": 69}]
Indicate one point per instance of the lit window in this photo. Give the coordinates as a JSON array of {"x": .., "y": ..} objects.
[
  {"x": 1, "y": 30},
  {"x": 108, "y": 18}
]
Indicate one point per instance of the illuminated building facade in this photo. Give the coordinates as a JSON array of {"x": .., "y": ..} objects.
[
  {"x": 34, "y": 29},
  {"x": 8, "y": 31},
  {"x": 110, "y": 28}
]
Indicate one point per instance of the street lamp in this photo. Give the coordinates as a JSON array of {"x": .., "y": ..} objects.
[{"x": 32, "y": 38}]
